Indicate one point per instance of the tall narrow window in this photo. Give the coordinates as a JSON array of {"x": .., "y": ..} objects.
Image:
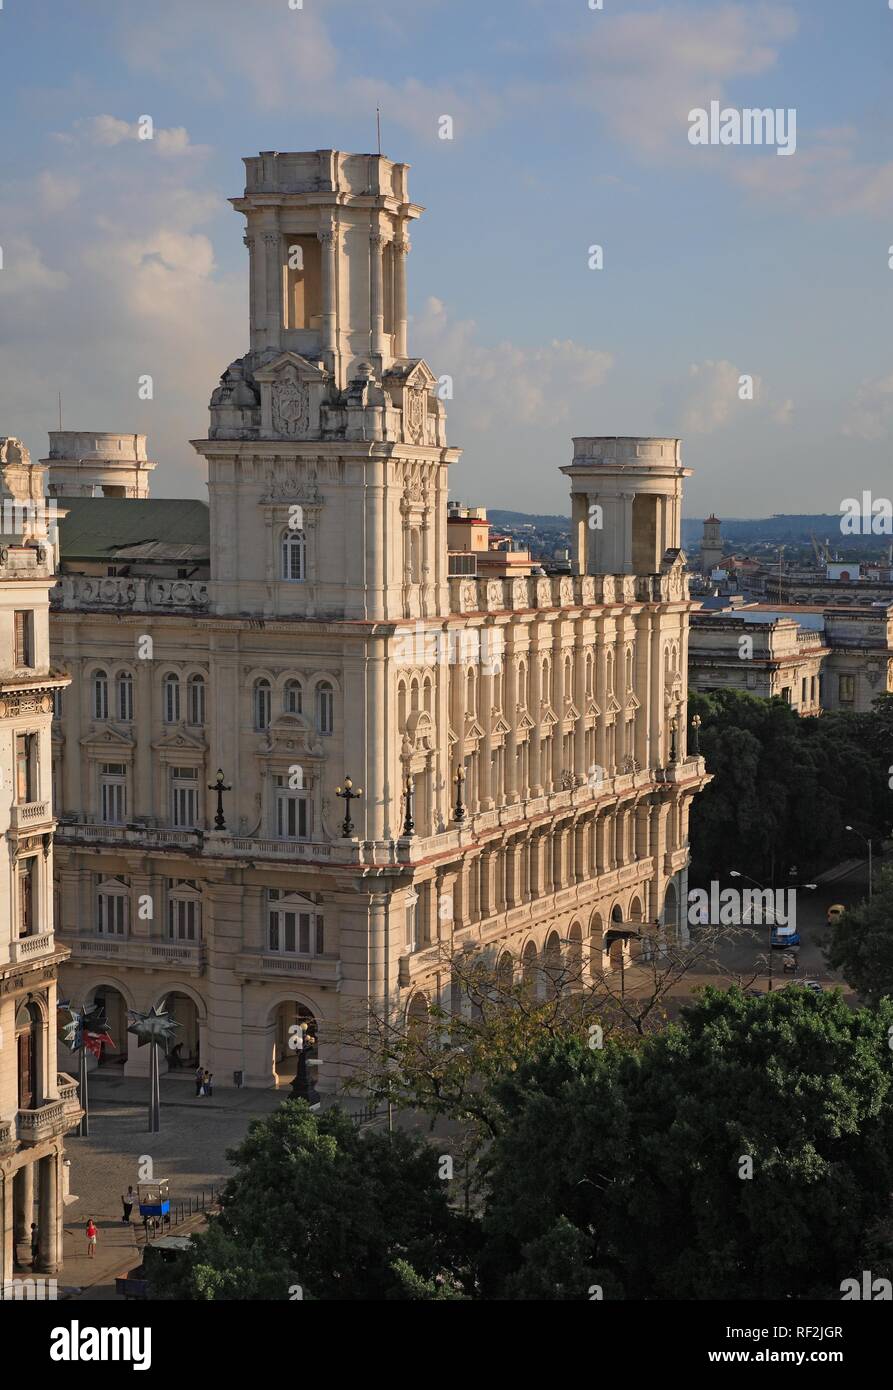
[
  {"x": 27, "y": 877},
  {"x": 26, "y": 768},
  {"x": 184, "y": 797},
  {"x": 100, "y": 695},
  {"x": 293, "y": 702},
  {"x": 196, "y": 700},
  {"x": 325, "y": 708},
  {"x": 294, "y": 927},
  {"x": 171, "y": 698},
  {"x": 125, "y": 697},
  {"x": 113, "y": 793},
  {"x": 294, "y": 556},
  {"x": 24, "y": 638},
  {"x": 184, "y": 910},
  {"x": 263, "y": 704},
  {"x": 113, "y": 907}
]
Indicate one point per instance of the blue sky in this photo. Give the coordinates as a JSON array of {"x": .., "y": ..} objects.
[{"x": 122, "y": 257}]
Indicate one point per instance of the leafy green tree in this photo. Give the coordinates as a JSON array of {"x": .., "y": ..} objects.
[
  {"x": 746, "y": 1152},
  {"x": 316, "y": 1206},
  {"x": 861, "y": 943}
]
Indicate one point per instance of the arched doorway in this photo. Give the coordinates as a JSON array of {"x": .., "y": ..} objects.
[
  {"x": 184, "y": 1053},
  {"x": 289, "y": 1034},
  {"x": 529, "y": 972},
  {"x": 596, "y": 945},
  {"x": 575, "y": 956},
  {"x": 417, "y": 1015},
  {"x": 615, "y": 940},
  {"x": 114, "y": 1004},
  {"x": 552, "y": 968},
  {"x": 505, "y": 973}
]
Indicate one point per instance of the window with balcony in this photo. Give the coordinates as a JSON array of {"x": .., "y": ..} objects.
[
  {"x": 113, "y": 907},
  {"x": 113, "y": 793},
  {"x": 294, "y": 926},
  {"x": 184, "y": 797},
  {"x": 26, "y": 875},
  {"x": 184, "y": 910},
  {"x": 292, "y": 811},
  {"x": 196, "y": 700},
  {"x": 28, "y": 1031},
  {"x": 24, "y": 638},
  {"x": 26, "y": 768},
  {"x": 124, "y": 683}
]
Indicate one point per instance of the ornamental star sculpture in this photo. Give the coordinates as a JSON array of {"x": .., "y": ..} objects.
[
  {"x": 154, "y": 1026},
  {"x": 87, "y": 1027}
]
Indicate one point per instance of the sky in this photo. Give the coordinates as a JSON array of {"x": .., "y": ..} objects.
[{"x": 121, "y": 257}]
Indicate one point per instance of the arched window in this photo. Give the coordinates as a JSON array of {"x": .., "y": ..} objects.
[
  {"x": 325, "y": 708},
  {"x": 171, "y": 698},
  {"x": 263, "y": 704},
  {"x": 125, "y": 696},
  {"x": 293, "y": 701},
  {"x": 28, "y": 1030},
  {"x": 196, "y": 699},
  {"x": 100, "y": 695},
  {"x": 294, "y": 556},
  {"x": 401, "y": 705}
]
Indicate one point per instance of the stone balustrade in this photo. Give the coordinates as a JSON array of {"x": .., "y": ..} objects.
[
  {"x": 115, "y": 593},
  {"x": 484, "y": 595}
]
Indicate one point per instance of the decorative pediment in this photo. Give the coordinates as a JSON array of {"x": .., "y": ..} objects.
[
  {"x": 420, "y": 731},
  {"x": 571, "y": 711},
  {"x": 593, "y": 709},
  {"x": 291, "y": 392},
  {"x": 632, "y": 702},
  {"x": 473, "y": 730},
  {"x": 548, "y": 719},
  {"x": 525, "y": 723},
  {"x": 500, "y": 726},
  {"x": 182, "y": 741},
  {"x": 613, "y": 705},
  {"x": 109, "y": 741}
]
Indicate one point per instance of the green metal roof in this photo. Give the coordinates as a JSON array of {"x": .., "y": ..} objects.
[{"x": 101, "y": 526}]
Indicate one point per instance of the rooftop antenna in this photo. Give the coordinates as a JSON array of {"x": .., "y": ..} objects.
[{"x": 378, "y": 126}]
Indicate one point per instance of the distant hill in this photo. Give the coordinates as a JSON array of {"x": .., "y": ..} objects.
[
  {"x": 737, "y": 530},
  {"x": 541, "y": 522}
]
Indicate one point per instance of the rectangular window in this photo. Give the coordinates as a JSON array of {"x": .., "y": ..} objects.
[
  {"x": 847, "y": 689},
  {"x": 113, "y": 793},
  {"x": 111, "y": 917},
  {"x": 803, "y": 691},
  {"x": 183, "y": 918},
  {"x": 184, "y": 797},
  {"x": 24, "y": 638},
  {"x": 296, "y": 933},
  {"x": 292, "y": 812}
]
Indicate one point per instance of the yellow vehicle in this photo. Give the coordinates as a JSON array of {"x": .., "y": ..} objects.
[{"x": 835, "y": 912}]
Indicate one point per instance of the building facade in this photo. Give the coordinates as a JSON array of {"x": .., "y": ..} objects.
[
  {"x": 38, "y": 1105},
  {"x": 328, "y": 642}
]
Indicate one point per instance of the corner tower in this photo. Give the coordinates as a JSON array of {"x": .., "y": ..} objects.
[
  {"x": 626, "y": 500},
  {"x": 326, "y": 451}
]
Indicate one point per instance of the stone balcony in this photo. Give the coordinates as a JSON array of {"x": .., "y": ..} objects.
[
  {"x": 31, "y": 816},
  {"x": 24, "y": 949},
  {"x": 272, "y": 965},
  {"x": 68, "y": 1094},
  {"x": 45, "y": 1121},
  {"x": 141, "y": 952},
  {"x": 115, "y": 594}
]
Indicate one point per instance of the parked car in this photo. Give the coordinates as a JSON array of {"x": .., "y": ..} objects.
[{"x": 784, "y": 937}]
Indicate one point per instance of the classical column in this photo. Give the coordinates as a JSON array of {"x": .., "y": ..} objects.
[
  {"x": 486, "y": 720},
  {"x": 23, "y": 1198},
  {"x": 580, "y": 768},
  {"x": 536, "y": 733},
  {"x": 49, "y": 1225},
  {"x": 376, "y": 292},
  {"x": 144, "y": 765},
  {"x": 512, "y": 714},
  {"x": 7, "y": 1228},
  {"x": 72, "y": 797},
  {"x": 401, "y": 250},
  {"x": 579, "y": 530},
  {"x": 329, "y": 313},
  {"x": 274, "y": 286},
  {"x": 250, "y": 242}
]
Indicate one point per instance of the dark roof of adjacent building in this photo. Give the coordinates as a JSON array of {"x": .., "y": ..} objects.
[{"x": 175, "y": 528}]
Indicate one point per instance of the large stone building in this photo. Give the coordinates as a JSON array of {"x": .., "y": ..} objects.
[
  {"x": 329, "y": 641},
  {"x": 38, "y": 1105}
]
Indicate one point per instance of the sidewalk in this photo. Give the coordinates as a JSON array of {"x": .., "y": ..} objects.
[{"x": 190, "y": 1151}]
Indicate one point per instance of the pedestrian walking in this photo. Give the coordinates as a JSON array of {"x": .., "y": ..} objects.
[
  {"x": 199, "y": 1079},
  {"x": 35, "y": 1245},
  {"x": 91, "y": 1238},
  {"x": 209, "y": 1089},
  {"x": 127, "y": 1201}
]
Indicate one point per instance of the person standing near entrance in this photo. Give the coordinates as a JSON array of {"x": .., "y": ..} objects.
[
  {"x": 35, "y": 1245},
  {"x": 91, "y": 1238},
  {"x": 199, "y": 1078},
  {"x": 127, "y": 1202}
]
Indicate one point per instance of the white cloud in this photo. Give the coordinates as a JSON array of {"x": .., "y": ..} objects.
[
  {"x": 644, "y": 72},
  {"x": 871, "y": 414},
  {"x": 708, "y": 399},
  {"x": 25, "y": 270},
  {"x": 106, "y": 131}
]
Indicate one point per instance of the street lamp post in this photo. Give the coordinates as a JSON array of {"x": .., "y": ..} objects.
[
  {"x": 219, "y": 786},
  {"x": 865, "y": 840},
  {"x": 734, "y": 873},
  {"x": 348, "y": 795},
  {"x": 459, "y": 813},
  {"x": 696, "y": 735}
]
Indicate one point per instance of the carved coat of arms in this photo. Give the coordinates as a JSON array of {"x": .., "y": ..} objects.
[{"x": 290, "y": 407}]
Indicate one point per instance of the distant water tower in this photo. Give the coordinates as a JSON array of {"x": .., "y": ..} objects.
[{"x": 711, "y": 544}]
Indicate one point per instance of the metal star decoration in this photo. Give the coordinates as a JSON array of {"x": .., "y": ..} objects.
[
  {"x": 88, "y": 1027},
  {"x": 154, "y": 1026}
]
